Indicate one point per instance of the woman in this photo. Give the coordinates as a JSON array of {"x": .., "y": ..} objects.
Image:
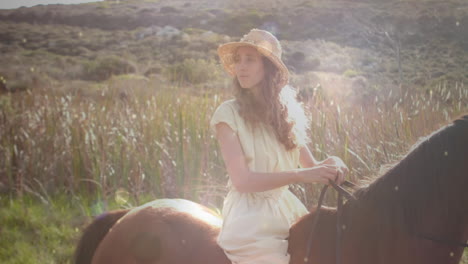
[{"x": 262, "y": 136}]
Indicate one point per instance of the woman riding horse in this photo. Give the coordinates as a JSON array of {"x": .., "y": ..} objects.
[{"x": 415, "y": 213}]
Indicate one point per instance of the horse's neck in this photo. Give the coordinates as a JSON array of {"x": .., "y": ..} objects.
[
  {"x": 369, "y": 219},
  {"x": 447, "y": 227}
]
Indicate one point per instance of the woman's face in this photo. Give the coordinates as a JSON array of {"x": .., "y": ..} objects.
[{"x": 248, "y": 67}]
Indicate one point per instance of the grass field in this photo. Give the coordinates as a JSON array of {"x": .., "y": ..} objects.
[{"x": 72, "y": 152}]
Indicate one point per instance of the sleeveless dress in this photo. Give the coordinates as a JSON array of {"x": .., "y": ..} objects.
[{"x": 256, "y": 225}]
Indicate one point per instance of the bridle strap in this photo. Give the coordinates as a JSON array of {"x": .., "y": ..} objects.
[
  {"x": 341, "y": 193},
  {"x": 339, "y": 213},
  {"x": 314, "y": 224}
]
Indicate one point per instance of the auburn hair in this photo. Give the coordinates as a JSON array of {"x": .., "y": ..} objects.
[{"x": 274, "y": 106}]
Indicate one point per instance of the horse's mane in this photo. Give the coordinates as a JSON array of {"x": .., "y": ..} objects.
[{"x": 433, "y": 177}]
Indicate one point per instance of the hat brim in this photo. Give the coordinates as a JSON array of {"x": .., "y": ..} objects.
[{"x": 226, "y": 53}]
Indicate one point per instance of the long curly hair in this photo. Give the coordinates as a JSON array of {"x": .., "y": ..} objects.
[{"x": 274, "y": 106}]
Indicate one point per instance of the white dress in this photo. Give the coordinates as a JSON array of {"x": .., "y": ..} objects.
[{"x": 256, "y": 225}]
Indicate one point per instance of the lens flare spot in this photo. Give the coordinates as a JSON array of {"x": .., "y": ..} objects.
[{"x": 121, "y": 196}]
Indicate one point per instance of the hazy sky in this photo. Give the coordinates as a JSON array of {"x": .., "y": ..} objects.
[{"x": 8, "y": 4}]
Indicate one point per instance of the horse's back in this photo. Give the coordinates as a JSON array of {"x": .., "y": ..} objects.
[
  {"x": 163, "y": 231},
  {"x": 192, "y": 209}
]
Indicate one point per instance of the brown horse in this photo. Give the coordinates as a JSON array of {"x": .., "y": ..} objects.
[{"x": 416, "y": 212}]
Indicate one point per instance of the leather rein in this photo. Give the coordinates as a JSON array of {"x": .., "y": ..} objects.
[
  {"x": 341, "y": 193},
  {"x": 339, "y": 226}
]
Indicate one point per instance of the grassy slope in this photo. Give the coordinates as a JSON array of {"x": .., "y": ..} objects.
[
  {"x": 33, "y": 232},
  {"x": 44, "y": 231},
  {"x": 433, "y": 47}
]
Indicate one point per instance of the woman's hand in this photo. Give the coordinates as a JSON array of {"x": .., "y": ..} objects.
[
  {"x": 342, "y": 169},
  {"x": 322, "y": 173},
  {"x": 332, "y": 168}
]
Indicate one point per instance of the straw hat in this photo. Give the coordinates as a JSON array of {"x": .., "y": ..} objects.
[{"x": 265, "y": 43}]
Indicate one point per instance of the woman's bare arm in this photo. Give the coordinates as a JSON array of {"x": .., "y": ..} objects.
[{"x": 245, "y": 180}]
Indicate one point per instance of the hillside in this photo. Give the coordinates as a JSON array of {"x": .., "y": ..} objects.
[{"x": 359, "y": 44}]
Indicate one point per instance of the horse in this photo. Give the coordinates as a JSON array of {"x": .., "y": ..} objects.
[{"x": 415, "y": 212}]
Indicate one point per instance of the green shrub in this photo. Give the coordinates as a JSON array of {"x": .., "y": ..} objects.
[
  {"x": 103, "y": 68},
  {"x": 351, "y": 73},
  {"x": 154, "y": 69},
  {"x": 192, "y": 71},
  {"x": 240, "y": 23}
]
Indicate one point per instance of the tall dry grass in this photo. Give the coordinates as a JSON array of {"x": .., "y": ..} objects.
[
  {"x": 102, "y": 141},
  {"x": 151, "y": 139},
  {"x": 372, "y": 134}
]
